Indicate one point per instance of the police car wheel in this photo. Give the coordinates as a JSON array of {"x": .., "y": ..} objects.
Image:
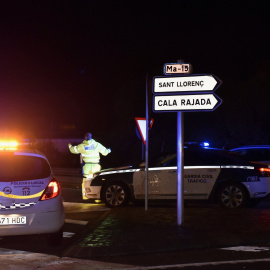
[
  {"x": 115, "y": 195},
  {"x": 232, "y": 195}
]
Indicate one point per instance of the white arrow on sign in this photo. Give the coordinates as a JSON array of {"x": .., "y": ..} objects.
[
  {"x": 203, "y": 102},
  {"x": 196, "y": 83}
]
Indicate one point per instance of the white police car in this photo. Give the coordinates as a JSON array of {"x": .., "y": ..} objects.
[
  {"x": 30, "y": 199},
  {"x": 208, "y": 174}
]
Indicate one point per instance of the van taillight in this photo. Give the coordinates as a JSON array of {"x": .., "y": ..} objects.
[
  {"x": 51, "y": 191},
  {"x": 265, "y": 172}
]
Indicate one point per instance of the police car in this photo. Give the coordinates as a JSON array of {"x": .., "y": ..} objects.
[
  {"x": 30, "y": 199},
  {"x": 209, "y": 174}
]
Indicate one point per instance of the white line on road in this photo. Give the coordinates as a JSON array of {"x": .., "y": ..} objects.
[
  {"x": 5, "y": 251},
  {"x": 247, "y": 249},
  {"x": 191, "y": 264},
  {"x": 68, "y": 234},
  {"x": 74, "y": 221}
]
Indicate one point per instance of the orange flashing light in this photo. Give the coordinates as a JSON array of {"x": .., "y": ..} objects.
[
  {"x": 264, "y": 169},
  {"x": 8, "y": 145}
]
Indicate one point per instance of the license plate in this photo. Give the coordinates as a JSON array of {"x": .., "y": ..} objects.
[{"x": 11, "y": 220}]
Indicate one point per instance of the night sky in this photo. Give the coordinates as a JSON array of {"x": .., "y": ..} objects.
[{"x": 67, "y": 67}]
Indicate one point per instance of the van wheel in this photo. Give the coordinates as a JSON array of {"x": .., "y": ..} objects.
[
  {"x": 232, "y": 195},
  {"x": 55, "y": 239},
  {"x": 115, "y": 194}
]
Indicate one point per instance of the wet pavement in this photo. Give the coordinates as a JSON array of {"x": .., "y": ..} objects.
[{"x": 133, "y": 230}]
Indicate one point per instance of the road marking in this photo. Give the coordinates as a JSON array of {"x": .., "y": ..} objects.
[
  {"x": 68, "y": 234},
  {"x": 74, "y": 221},
  {"x": 247, "y": 249},
  {"x": 5, "y": 251},
  {"x": 191, "y": 264}
]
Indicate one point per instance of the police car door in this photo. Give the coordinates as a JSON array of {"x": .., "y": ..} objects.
[
  {"x": 200, "y": 174},
  {"x": 139, "y": 184},
  {"x": 162, "y": 178}
]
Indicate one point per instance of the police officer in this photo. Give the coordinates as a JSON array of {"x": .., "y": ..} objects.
[{"x": 90, "y": 151}]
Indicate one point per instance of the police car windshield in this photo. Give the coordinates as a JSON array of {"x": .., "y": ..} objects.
[{"x": 19, "y": 167}]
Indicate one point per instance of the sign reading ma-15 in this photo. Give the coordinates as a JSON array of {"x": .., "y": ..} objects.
[{"x": 169, "y": 69}]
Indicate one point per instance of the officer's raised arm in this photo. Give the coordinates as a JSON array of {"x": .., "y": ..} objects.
[{"x": 73, "y": 149}]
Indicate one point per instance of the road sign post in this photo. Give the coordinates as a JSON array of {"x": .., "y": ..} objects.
[
  {"x": 180, "y": 94},
  {"x": 180, "y": 167},
  {"x": 144, "y": 125}
]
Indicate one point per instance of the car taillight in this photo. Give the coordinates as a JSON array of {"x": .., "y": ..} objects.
[
  {"x": 51, "y": 191},
  {"x": 265, "y": 172}
]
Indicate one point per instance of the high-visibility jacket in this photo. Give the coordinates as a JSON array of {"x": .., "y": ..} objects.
[{"x": 90, "y": 150}]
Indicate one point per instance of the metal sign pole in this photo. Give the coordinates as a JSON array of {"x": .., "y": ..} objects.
[
  {"x": 146, "y": 147},
  {"x": 180, "y": 165},
  {"x": 180, "y": 168}
]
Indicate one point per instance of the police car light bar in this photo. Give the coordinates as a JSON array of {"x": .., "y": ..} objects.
[
  {"x": 12, "y": 145},
  {"x": 205, "y": 144},
  {"x": 196, "y": 144},
  {"x": 8, "y": 145}
]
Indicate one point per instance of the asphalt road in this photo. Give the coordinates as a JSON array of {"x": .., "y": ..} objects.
[
  {"x": 81, "y": 218},
  {"x": 241, "y": 257},
  {"x": 77, "y": 216}
]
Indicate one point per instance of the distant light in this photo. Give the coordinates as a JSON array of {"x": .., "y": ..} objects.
[{"x": 205, "y": 144}]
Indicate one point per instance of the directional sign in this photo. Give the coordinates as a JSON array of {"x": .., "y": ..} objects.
[
  {"x": 198, "y": 102},
  {"x": 169, "y": 69},
  {"x": 188, "y": 83}
]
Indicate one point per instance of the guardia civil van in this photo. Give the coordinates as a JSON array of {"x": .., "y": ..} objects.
[
  {"x": 209, "y": 174},
  {"x": 30, "y": 199}
]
